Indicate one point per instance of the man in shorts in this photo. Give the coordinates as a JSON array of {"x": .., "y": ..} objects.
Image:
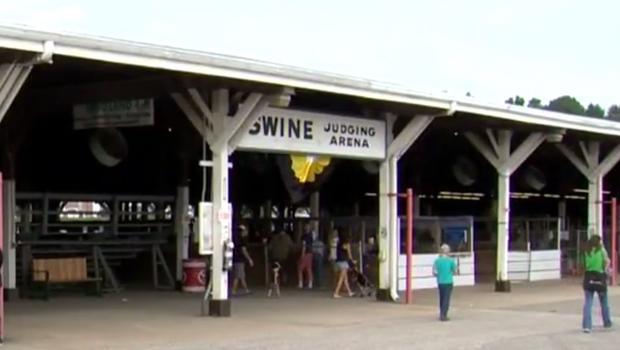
[{"x": 240, "y": 256}]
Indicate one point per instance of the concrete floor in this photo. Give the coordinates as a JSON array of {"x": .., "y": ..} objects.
[{"x": 534, "y": 316}]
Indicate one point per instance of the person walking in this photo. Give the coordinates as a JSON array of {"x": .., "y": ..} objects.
[
  {"x": 343, "y": 259},
  {"x": 304, "y": 264},
  {"x": 444, "y": 270},
  {"x": 240, "y": 256},
  {"x": 318, "y": 258},
  {"x": 595, "y": 281}
]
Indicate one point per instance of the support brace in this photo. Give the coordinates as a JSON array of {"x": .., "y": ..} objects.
[
  {"x": 594, "y": 170},
  {"x": 498, "y": 152},
  {"x": 222, "y": 133},
  {"x": 389, "y": 234},
  {"x": 12, "y": 78}
]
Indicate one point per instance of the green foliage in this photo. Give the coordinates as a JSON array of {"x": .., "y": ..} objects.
[
  {"x": 566, "y": 104},
  {"x": 535, "y": 103},
  {"x": 517, "y": 100},
  {"x": 614, "y": 112},
  {"x": 570, "y": 105},
  {"x": 595, "y": 111}
]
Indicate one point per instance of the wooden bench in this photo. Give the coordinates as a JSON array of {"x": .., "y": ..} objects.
[{"x": 48, "y": 271}]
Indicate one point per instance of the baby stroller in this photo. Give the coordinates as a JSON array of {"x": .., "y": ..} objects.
[{"x": 366, "y": 288}]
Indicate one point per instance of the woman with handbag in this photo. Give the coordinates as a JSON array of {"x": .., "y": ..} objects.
[{"x": 595, "y": 281}]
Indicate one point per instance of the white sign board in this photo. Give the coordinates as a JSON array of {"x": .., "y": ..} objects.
[
  {"x": 205, "y": 232},
  {"x": 113, "y": 114},
  {"x": 205, "y": 225},
  {"x": 294, "y": 131}
]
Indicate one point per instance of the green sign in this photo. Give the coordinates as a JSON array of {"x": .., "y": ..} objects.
[{"x": 113, "y": 114}]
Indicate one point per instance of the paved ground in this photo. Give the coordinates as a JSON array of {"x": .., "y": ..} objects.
[{"x": 533, "y": 316}]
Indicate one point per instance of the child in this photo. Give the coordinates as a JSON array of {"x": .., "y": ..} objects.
[{"x": 275, "y": 283}]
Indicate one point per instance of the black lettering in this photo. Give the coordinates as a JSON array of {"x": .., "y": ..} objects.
[
  {"x": 327, "y": 127},
  {"x": 364, "y": 131},
  {"x": 341, "y": 141},
  {"x": 270, "y": 126},
  {"x": 357, "y": 142},
  {"x": 372, "y": 132},
  {"x": 282, "y": 121},
  {"x": 365, "y": 144},
  {"x": 294, "y": 128},
  {"x": 308, "y": 130},
  {"x": 351, "y": 129},
  {"x": 349, "y": 141},
  {"x": 333, "y": 141},
  {"x": 255, "y": 127}
]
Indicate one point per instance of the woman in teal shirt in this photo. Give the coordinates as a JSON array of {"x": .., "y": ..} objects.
[
  {"x": 596, "y": 265},
  {"x": 444, "y": 269}
]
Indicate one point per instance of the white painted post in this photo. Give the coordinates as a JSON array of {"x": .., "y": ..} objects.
[
  {"x": 562, "y": 214},
  {"x": 10, "y": 268},
  {"x": 389, "y": 236},
  {"x": 594, "y": 170},
  {"x": 12, "y": 77},
  {"x": 385, "y": 218},
  {"x": 498, "y": 152},
  {"x": 384, "y": 231},
  {"x": 394, "y": 228},
  {"x": 503, "y": 225},
  {"x": 223, "y": 133},
  {"x": 315, "y": 209},
  {"x": 220, "y": 304},
  {"x": 181, "y": 229},
  {"x": 595, "y": 203}
]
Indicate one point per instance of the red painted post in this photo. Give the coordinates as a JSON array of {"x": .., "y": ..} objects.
[
  {"x": 409, "y": 245},
  {"x": 614, "y": 243}
]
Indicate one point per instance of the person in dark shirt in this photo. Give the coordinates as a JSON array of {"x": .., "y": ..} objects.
[
  {"x": 344, "y": 259},
  {"x": 240, "y": 256},
  {"x": 304, "y": 265}
]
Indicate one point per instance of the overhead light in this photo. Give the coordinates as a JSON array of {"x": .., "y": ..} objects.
[
  {"x": 466, "y": 194},
  {"x": 556, "y": 136},
  {"x": 282, "y": 99},
  {"x": 568, "y": 196},
  {"x": 581, "y": 190}
]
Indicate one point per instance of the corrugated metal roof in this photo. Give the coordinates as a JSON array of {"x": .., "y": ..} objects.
[{"x": 175, "y": 59}]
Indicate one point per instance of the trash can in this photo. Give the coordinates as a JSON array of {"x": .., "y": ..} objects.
[{"x": 194, "y": 275}]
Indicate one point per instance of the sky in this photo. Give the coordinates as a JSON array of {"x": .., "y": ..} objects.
[{"x": 489, "y": 48}]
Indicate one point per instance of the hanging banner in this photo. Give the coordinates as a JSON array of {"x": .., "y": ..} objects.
[
  {"x": 205, "y": 225},
  {"x": 113, "y": 114},
  {"x": 294, "y": 131}
]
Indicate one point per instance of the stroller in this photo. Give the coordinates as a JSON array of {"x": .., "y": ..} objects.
[{"x": 366, "y": 288}]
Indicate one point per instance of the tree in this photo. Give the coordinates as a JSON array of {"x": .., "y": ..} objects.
[
  {"x": 614, "y": 112},
  {"x": 517, "y": 100},
  {"x": 595, "y": 111},
  {"x": 566, "y": 104},
  {"x": 535, "y": 103}
]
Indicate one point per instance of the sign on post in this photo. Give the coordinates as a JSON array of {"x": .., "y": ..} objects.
[
  {"x": 205, "y": 225},
  {"x": 294, "y": 131},
  {"x": 113, "y": 114},
  {"x": 205, "y": 233}
]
